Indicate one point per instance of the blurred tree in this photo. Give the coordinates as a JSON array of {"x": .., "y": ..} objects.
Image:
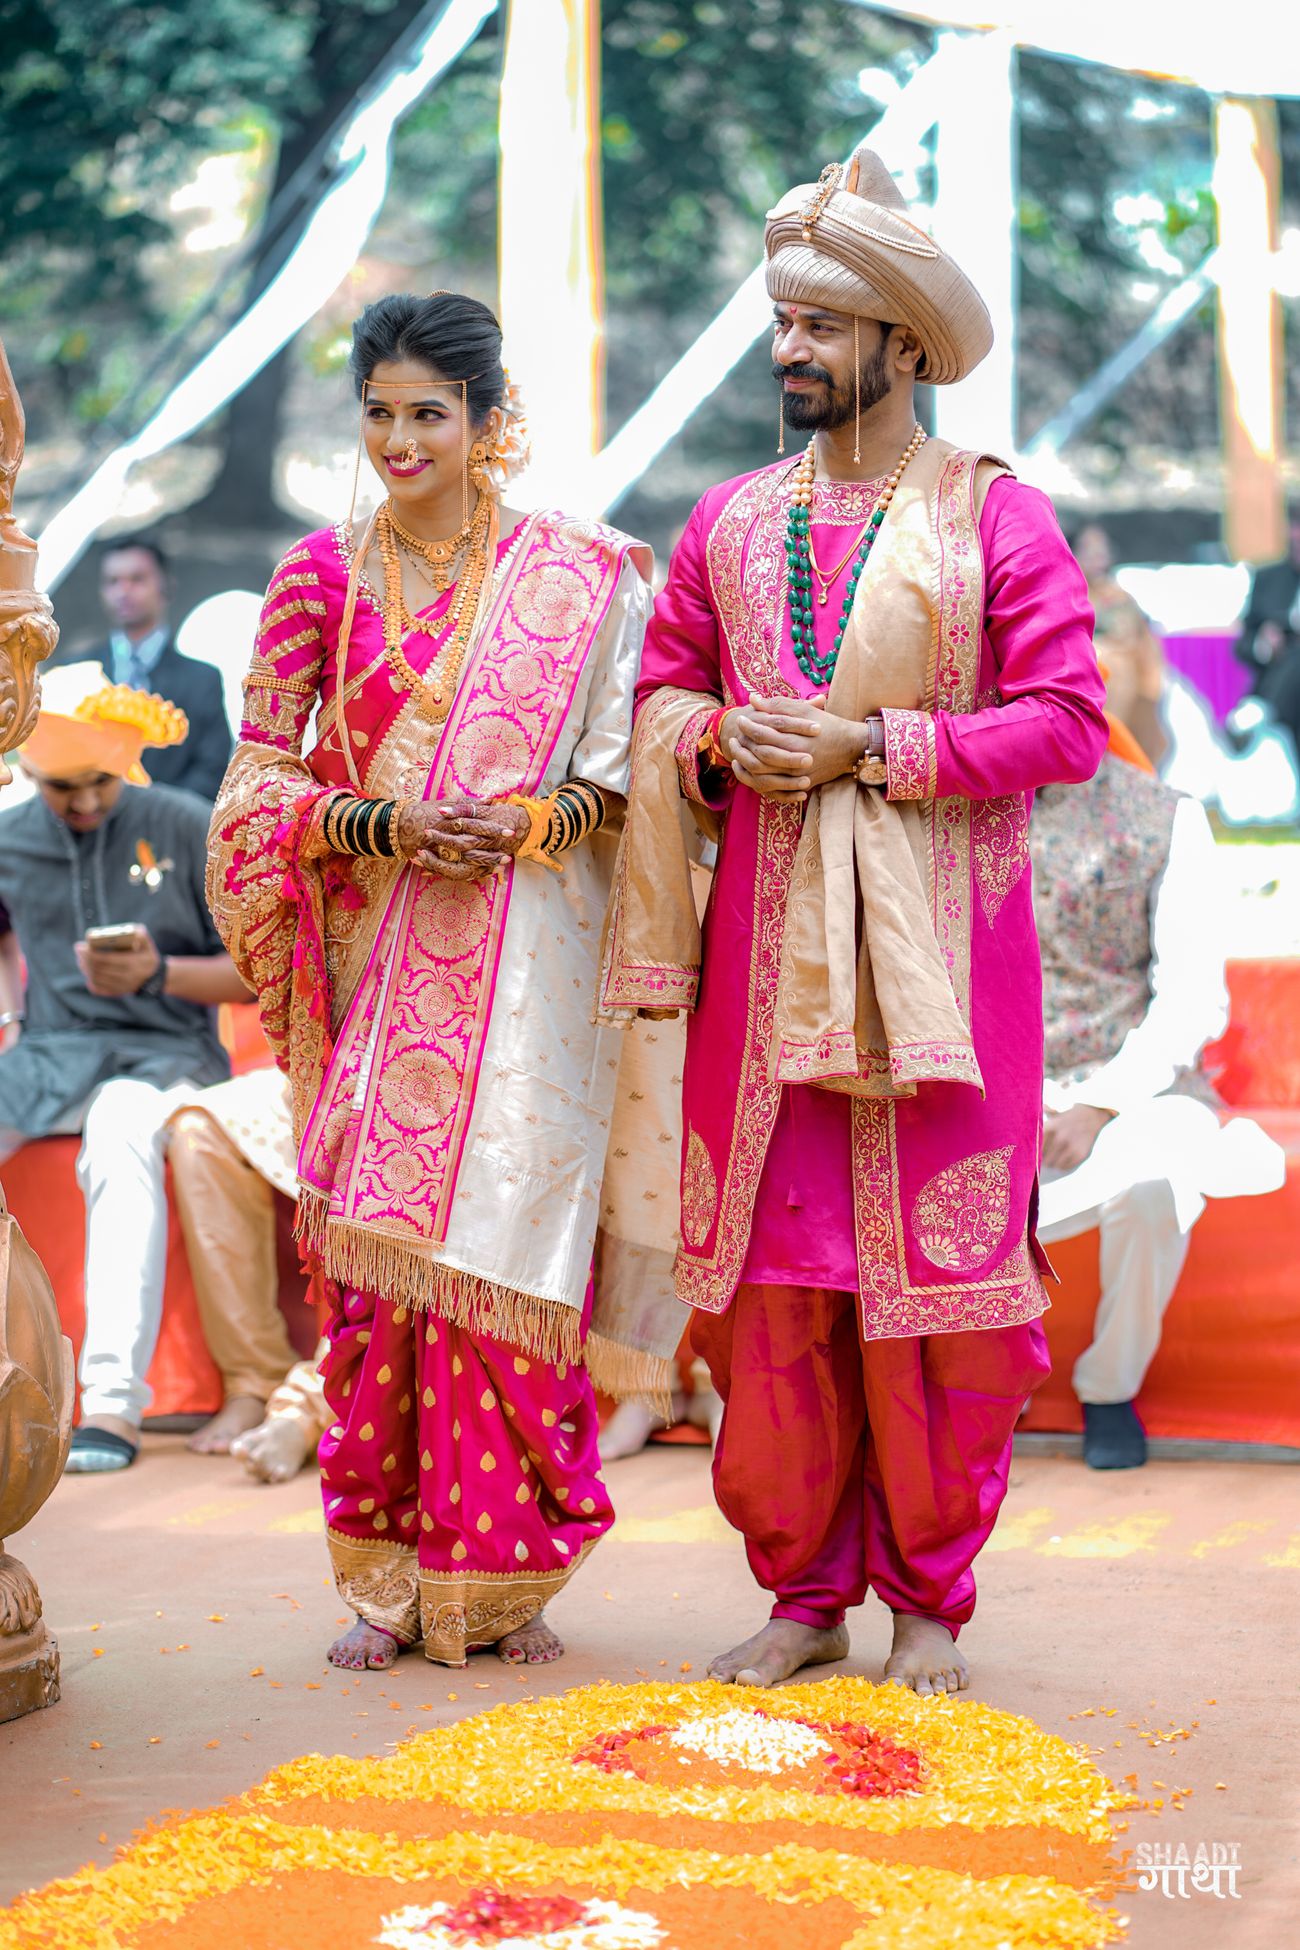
[
  {"x": 346, "y": 45},
  {"x": 105, "y": 106},
  {"x": 1115, "y": 209},
  {"x": 710, "y": 109},
  {"x": 709, "y": 112}
]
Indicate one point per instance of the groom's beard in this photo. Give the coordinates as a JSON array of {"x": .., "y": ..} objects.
[{"x": 834, "y": 407}]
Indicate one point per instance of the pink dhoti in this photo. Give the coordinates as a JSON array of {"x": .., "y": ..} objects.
[
  {"x": 851, "y": 1464},
  {"x": 460, "y": 1477}
]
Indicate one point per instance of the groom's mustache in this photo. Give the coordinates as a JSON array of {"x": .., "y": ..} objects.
[{"x": 780, "y": 373}]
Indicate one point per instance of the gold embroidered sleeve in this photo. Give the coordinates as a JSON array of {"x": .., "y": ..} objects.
[
  {"x": 284, "y": 678},
  {"x": 910, "y": 758}
]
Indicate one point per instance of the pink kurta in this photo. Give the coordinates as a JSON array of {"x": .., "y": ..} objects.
[{"x": 964, "y": 1254}]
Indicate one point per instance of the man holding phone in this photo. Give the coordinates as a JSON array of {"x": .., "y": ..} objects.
[{"x": 102, "y": 904}]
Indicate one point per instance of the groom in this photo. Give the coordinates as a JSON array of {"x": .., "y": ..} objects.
[{"x": 863, "y": 663}]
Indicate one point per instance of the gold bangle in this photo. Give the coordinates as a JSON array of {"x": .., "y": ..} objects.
[{"x": 539, "y": 821}]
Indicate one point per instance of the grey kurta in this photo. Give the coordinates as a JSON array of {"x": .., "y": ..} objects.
[{"x": 54, "y": 884}]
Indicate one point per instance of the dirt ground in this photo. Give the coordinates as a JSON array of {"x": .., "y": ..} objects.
[{"x": 1114, "y": 1608}]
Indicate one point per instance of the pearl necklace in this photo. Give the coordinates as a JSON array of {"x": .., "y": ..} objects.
[{"x": 800, "y": 560}]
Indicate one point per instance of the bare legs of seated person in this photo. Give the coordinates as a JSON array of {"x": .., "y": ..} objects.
[
  {"x": 632, "y": 1424},
  {"x": 285, "y": 1441}
]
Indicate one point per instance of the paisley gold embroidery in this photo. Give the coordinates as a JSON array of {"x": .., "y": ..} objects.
[
  {"x": 460, "y": 1609},
  {"x": 419, "y": 1089},
  {"x": 910, "y": 754},
  {"x": 699, "y": 1192},
  {"x": 960, "y": 1215},
  {"x": 272, "y": 713},
  {"x": 380, "y": 1581},
  {"x": 493, "y": 752},
  {"x": 1000, "y": 834}
]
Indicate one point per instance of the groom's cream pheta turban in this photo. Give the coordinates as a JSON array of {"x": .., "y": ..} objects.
[{"x": 848, "y": 244}]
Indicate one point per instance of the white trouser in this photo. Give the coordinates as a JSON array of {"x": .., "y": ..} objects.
[
  {"x": 1144, "y": 1183},
  {"x": 121, "y": 1174},
  {"x": 1143, "y": 1248}
]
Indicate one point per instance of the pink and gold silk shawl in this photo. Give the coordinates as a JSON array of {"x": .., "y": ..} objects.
[
  {"x": 377, "y": 980},
  {"x": 865, "y": 997}
]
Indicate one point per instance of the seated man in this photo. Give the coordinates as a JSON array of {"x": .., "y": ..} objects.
[
  {"x": 1133, "y": 990},
  {"x": 231, "y": 1150},
  {"x": 101, "y": 894}
]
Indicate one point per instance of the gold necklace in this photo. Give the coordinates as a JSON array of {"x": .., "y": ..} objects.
[
  {"x": 439, "y": 579},
  {"x": 439, "y": 555},
  {"x": 804, "y": 476},
  {"x": 436, "y": 686},
  {"x": 818, "y": 668}
]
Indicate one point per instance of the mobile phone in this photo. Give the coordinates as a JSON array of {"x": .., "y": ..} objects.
[{"x": 120, "y": 939}]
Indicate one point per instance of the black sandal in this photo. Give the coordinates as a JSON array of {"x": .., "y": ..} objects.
[{"x": 94, "y": 1452}]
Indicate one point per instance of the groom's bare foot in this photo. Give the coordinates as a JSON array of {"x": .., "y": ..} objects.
[
  {"x": 925, "y": 1656},
  {"x": 780, "y": 1649},
  {"x": 534, "y": 1644},
  {"x": 239, "y": 1414},
  {"x": 364, "y": 1648}
]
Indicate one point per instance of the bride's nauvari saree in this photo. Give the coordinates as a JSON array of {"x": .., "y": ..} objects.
[{"x": 451, "y": 1093}]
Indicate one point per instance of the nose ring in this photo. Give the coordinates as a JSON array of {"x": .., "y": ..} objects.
[{"x": 410, "y": 454}]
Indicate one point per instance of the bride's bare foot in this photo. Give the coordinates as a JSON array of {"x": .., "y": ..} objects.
[
  {"x": 534, "y": 1644},
  {"x": 925, "y": 1656},
  {"x": 239, "y": 1414},
  {"x": 364, "y": 1649},
  {"x": 275, "y": 1450},
  {"x": 780, "y": 1649}
]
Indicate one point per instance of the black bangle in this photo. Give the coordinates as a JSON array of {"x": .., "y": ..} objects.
[
  {"x": 361, "y": 827},
  {"x": 577, "y": 810}
]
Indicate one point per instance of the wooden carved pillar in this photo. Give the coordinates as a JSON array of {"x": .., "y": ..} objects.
[{"x": 35, "y": 1355}]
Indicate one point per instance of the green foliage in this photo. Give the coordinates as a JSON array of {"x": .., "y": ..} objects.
[
  {"x": 106, "y": 107},
  {"x": 1115, "y": 209},
  {"x": 102, "y": 102},
  {"x": 710, "y": 110}
]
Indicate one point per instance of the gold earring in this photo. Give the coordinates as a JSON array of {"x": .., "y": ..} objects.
[{"x": 481, "y": 455}]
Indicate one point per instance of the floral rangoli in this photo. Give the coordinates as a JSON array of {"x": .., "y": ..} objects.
[{"x": 841, "y": 1814}]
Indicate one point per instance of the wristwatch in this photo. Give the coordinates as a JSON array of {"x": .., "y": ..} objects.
[
  {"x": 156, "y": 983},
  {"x": 871, "y": 768}
]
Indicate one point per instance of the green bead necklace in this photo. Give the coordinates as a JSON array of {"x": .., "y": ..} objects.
[{"x": 816, "y": 668}]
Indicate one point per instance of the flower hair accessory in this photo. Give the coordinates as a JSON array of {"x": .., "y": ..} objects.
[{"x": 512, "y": 449}]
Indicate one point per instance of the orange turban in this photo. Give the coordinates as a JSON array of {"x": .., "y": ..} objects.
[{"x": 88, "y": 725}]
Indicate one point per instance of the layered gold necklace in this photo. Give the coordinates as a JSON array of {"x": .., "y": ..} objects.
[
  {"x": 477, "y": 540},
  {"x": 440, "y": 556}
]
